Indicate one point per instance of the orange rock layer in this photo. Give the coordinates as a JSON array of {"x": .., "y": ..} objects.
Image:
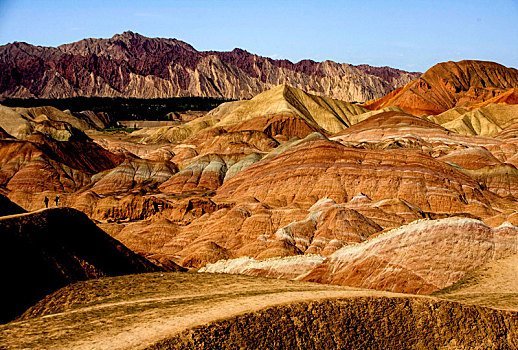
[{"x": 453, "y": 84}]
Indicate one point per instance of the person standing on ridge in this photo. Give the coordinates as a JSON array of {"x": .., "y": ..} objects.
[
  {"x": 57, "y": 200},
  {"x": 46, "y": 200}
]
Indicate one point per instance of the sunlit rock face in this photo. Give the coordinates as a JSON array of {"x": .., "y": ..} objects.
[
  {"x": 39, "y": 167},
  {"x": 282, "y": 113},
  {"x": 454, "y": 84},
  {"x": 421, "y": 258},
  {"x": 317, "y": 167},
  {"x": 282, "y": 185}
]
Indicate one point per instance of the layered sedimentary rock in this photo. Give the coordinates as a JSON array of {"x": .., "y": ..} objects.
[
  {"x": 133, "y": 174},
  {"x": 46, "y": 153},
  {"x": 282, "y": 110},
  {"x": 398, "y": 129},
  {"x": 389, "y": 168},
  {"x": 453, "y": 84},
  {"x": 485, "y": 121},
  {"x": 285, "y": 185},
  {"x": 131, "y": 65},
  {"x": 276, "y": 225},
  {"x": 421, "y": 258},
  {"x": 395, "y": 129},
  {"x": 33, "y": 169},
  {"x": 285, "y": 175},
  {"x": 251, "y": 229},
  {"x": 317, "y": 167},
  {"x": 471, "y": 158},
  {"x": 148, "y": 236},
  {"x": 21, "y": 123},
  {"x": 467, "y": 154},
  {"x": 58, "y": 246},
  {"x": 291, "y": 267},
  {"x": 215, "y": 156},
  {"x": 259, "y": 232},
  {"x": 205, "y": 173},
  {"x": 501, "y": 179},
  {"x": 82, "y": 121},
  {"x": 117, "y": 206},
  {"x": 279, "y": 198},
  {"x": 243, "y": 142}
]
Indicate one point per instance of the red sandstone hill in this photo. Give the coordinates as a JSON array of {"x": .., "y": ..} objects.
[
  {"x": 39, "y": 167},
  {"x": 317, "y": 168},
  {"x": 131, "y": 65},
  {"x": 454, "y": 84},
  {"x": 231, "y": 186},
  {"x": 285, "y": 185},
  {"x": 422, "y": 257}
]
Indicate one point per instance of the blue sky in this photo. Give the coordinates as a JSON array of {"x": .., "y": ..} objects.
[{"x": 411, "y": 35}]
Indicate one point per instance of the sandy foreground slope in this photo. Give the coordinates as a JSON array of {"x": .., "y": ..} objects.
[
  {"x": 494, "y": 284},
  {"x": 138, "y": 310},
  {"x": 194, "y": 310}
]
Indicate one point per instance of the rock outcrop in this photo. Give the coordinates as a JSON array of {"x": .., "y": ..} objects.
[
  {"x": 131, "y": 65},
  {"x": 316, "y": 167},
  {"x": 419, "y": 258},
  {"x": 282, "y": 110},
  {"x": 131, "y": 175},
  {"x": 485, "y": 121},
  {"x": 286, "y": 175},
  {"x": 22, "y": 123},
  {"x": 39, "y": 167},
  {"x": 416, "y": 194}
]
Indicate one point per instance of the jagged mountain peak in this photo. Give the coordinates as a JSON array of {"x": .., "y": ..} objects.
[
  {"x": 127, "y": 34},
  {"x": 132, "y": 65}
]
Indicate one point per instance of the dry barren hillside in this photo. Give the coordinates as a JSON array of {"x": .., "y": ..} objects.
[
  {"x": 414, "y": 193},
  {"x": 203, "y": 311},
  {"x": 493, "y": 284},
  {"x": 281, "y": 112},
  {"x": 284, "y": 174},
  {"x": 47, "y": 250}
]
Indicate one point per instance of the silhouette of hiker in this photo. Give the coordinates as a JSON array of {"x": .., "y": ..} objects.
[
  {"x": 57, "y": 200},
  {"x": 46, "y": 200}
]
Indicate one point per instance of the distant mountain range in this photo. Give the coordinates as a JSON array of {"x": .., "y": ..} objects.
[{"x": 131, "y": 65}]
